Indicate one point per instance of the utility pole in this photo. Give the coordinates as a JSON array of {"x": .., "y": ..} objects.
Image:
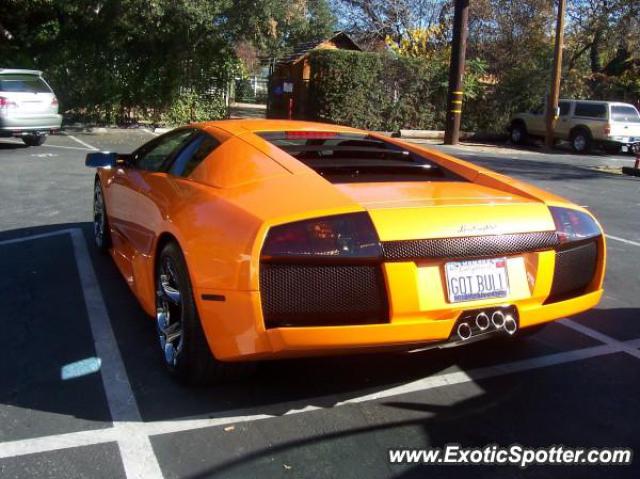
[
  {"x": 456, "y": 71},
  {"x": 554, "y": 95}
]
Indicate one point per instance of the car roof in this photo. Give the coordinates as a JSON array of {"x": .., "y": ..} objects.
[
  {"x": 596, "y": 101},
  {"x": 239, "y": 127},
  {"x": 20, "y": 71}
]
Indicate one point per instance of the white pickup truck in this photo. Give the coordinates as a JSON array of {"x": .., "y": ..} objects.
[{"x": 584, "y": 123}]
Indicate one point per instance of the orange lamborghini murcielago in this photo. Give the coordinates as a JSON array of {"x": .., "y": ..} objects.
[{"x": 257, "y": 239}]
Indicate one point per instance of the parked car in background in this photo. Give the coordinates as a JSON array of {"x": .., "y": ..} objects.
[
  {"x": 28, "y": 106},
  {"x": 583, "y": 123}
]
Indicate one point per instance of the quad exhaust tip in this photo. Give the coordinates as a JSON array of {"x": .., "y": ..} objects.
[
  {"x": 498, "y": 319},
  {"x": 510, "y": 325},
  {"x": 464, "y": 331},
  {"x": 482, "y": 321}
]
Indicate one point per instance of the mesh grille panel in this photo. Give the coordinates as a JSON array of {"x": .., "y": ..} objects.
[
  {"x": 574, "y": 271},
  {"x": 470, "y": 246},
  {"x": 322, "y": 295}
]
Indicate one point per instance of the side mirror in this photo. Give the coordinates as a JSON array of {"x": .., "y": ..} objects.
[{"x": 105, "y": 159}]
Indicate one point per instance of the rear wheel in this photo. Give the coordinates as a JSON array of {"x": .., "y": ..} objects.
[
  {"x": 581, "y": 140},
  {"x": 34, "y": 139},
  {"x": 183, "y": 344}
]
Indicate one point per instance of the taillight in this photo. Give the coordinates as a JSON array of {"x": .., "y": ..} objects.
[
  {"x": 573, "y": 225},
  {"x": 54, "y": 102},
  {"x": 607, "y": 129},
  {"x": 5, "y": 103},
  {"x": 341, "y": 237},
  {"x": 309, "y": 135}
]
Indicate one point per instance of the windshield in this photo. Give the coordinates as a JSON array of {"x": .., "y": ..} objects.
[
  {"x": 626, "y": 114},
  {"x": 23, "y": 84}
]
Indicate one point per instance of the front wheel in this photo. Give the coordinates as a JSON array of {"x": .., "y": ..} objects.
[
  {"x": 183, "y": 343},
  {"x": 34, "y": 139}
]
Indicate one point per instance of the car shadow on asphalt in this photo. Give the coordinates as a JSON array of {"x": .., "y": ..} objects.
[
  {"x": 11, "y": 146},
  {"x": 567, "y": 405}
]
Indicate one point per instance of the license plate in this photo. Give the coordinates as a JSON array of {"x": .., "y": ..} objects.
[{"x": 477, "y": 279}]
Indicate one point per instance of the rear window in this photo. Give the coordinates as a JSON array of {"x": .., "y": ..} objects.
[
  {"x": 626, "y": 114},
  {"x": 356, "y": 158},
  {"x": 23, "y": 84},
  {"x": 591, "y": 110}
]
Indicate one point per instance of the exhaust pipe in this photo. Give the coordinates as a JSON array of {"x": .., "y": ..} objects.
[
  {"x": 497, "y": 318},
  {"x": 510, "y": 325},
  {"x": 482, "y": 321},
  {"x": 464, "y": 331}
]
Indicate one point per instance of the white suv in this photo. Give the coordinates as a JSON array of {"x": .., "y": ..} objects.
[
  {"x": 584, "y": 123},
  {"x": 28, "y": 106}
]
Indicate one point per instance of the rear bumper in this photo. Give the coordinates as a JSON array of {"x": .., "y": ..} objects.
[
  {"x": 230, "y": 344},
  {"x": 410, "y": 333},
  {"x": 419, "y": 311},
  {"x": 10, "y": 125},
  {"x": 622, "y": 140}
]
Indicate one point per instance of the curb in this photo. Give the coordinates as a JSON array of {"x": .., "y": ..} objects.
[{"x": 439, "y": 135}]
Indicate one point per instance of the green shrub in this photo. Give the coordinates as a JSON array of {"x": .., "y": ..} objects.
[
  {"x": 373, "y": 91},
  {"x": 190, "y": 107}
]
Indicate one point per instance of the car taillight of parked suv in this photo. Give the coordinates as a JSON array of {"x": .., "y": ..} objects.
[{"x": 28, "y": 106}]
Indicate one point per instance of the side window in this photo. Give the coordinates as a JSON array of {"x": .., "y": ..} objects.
[
  {"x": 591, "y": 110},
  {"x": 193, "y": 154},
  {"x": 538, "y": 109},
  {"x": 564, "y": 108},
  {"x": 153, "y": 158}
]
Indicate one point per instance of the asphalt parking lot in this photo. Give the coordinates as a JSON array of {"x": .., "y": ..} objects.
[{"x": 83, "y": 392}]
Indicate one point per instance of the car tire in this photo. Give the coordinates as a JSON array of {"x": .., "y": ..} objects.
[
  {"x": 34, "y": 139},
  {"x": 183, "y": 343},
  {"x": 518, "y": 134},
  {"x": 581, "y": 140},
  {"x": 101, "y": 230}
]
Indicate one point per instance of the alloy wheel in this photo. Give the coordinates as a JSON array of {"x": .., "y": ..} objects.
[
  {"x": 579, "y": 142},
  {"x": 169, "y": 312}
]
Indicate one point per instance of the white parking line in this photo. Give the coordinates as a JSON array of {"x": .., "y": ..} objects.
[
  {"x": 82, "y": 143},
  {"x": 598, "y": 336},
  {"x": 138, "y": 457},
  {"x": 616, "y": 238},
  {"x": 50, "y": 146},
  {"x": 58, "y": 441},
  {"x": 35, "y": 237}
]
